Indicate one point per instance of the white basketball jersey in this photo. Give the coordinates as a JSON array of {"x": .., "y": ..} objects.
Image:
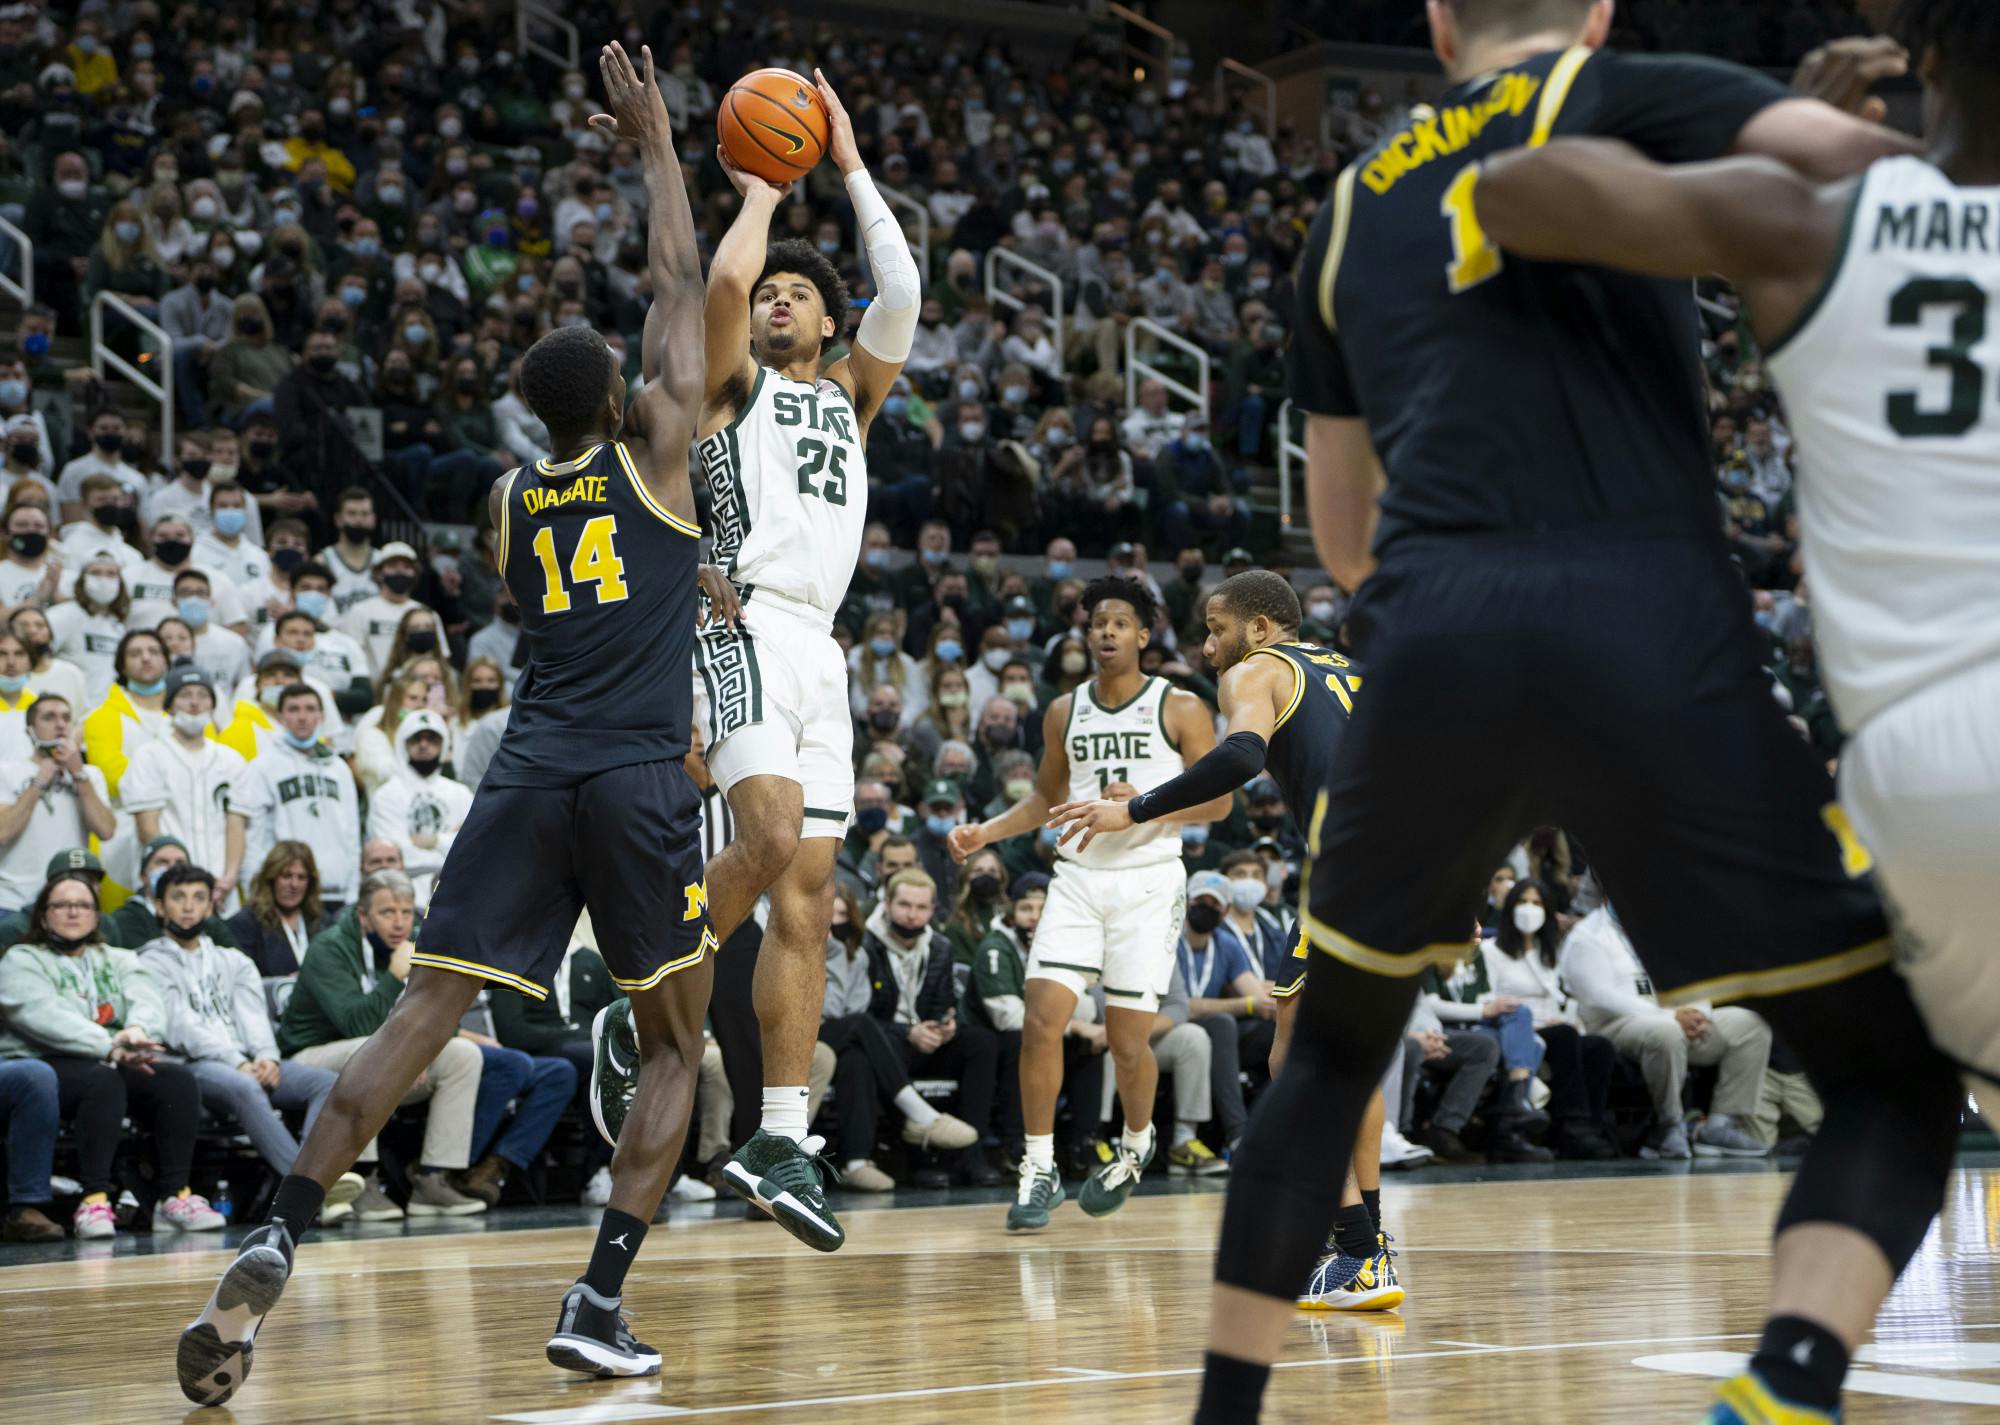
[
  {"x": 1892, "y": 385},
  {"x": 1128, "y": 743},
  {"x": 788, "y": 486}
]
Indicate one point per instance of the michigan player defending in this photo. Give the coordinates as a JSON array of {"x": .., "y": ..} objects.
[
  {"x": 781, "y": 449},
  {"x": 585, "y": 803},
  {"x": 1115, "y": 906},
  {"x": 1534, "y": 436},
  {"x": 1287, "y": 705},
  {"x": 1869, "y": 300}
]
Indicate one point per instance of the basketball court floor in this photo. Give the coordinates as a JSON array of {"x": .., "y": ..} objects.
[{"x": 1612, "y": 1297}]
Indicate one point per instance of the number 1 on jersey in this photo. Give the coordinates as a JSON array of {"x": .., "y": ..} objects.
[
  {"x": 596, "y": 562},
  {"x": 1474, "y": 259}
]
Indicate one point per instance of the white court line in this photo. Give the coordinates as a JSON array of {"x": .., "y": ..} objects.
[
  {"x": 1084, "y": 1371},
  {"x": 632, "y": 1410}
]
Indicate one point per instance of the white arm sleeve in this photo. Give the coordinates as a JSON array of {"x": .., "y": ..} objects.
[{"x": 889, "y": 324}]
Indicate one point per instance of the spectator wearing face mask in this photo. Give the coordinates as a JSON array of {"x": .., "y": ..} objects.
[
  {"x": 419, "y": 809},
  {"x": 220, "y": 653},
  {"x": 197, "y": 316},
  {"x": 1196, "y": 498},
  {"x": 245, "y": 371},
  {"x": 877, "y": 662},
  {"x": 1228, "y": 1000},
  {"x": 296, "y": 789},
  {"x": 374, "y": 622},
  {"x": 89, "y": 627},
  {"x": 231, "y": 545},
  {"x": 29, "y": 574},
  {"x": 176, "y": 785},
  {"x": 311, "y": 403},
  {"x": 977, "y": 905},
  {"x": 877, "y": 817},
  {"x": 483, "y": 692},
  {"x": 330, "y": 656},
  {"x": 107, "y": 524},
  {"x": 133, "y": 712},
  {"x": 500, "y": 641},
  {"x": 63, "y": 222},
  {"x": 105, "y": 457},
  {"x": 253, "y": 722},
  {"x": 949, "y": 718},
  {"x": 185, "y": 497},
  {"x": 46, "y": 672},
  {"x": 19, "y": 419},
  {"x": 52, "y": 801}
]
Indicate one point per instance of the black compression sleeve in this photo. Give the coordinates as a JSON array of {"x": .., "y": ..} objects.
[{"x": 1239, "y": 758}]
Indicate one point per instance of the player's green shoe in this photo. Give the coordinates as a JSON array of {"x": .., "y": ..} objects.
[
  {"x": 1105, "y": 1191},
  {"x": 614, "y": 1067},
  {"x": 782, "y": 1177},
  {"x": 1040, "y": 1194}
]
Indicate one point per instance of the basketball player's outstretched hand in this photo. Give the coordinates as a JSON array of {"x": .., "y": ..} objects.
[
  {"x": 963, "y": 840},
  {"x": 846, "y": 157},
  {"x": 723, "y": 606},
  {"x": 745, "y": 181},
  {"x": 638, "y": 111},
  {"x": 1843, "y": 71},
  {"x": 1093, "y": 819}
]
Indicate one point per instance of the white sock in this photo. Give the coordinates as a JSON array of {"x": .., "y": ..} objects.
[
  {"x": 1138, "y": 1143},
  {"x": 1183, "y": 1133},
  {"x": 852, "y": 1164},
  {"x": 920, "y": 1114},
  {"x": 785, "y": 1113},
  {"x": 1042, "y": 1151}
]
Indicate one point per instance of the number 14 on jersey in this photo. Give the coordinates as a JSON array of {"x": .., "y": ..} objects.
[{"x": 596, "y": 562}]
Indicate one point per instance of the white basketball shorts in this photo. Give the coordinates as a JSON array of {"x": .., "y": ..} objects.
[{"x": 1118, "y": 925}]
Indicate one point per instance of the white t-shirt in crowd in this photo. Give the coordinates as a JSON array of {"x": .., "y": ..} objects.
[
  {"x": 90, "y": 641},
  {"x": 190, "y": 791},
  {"x": 177, "y": 500},
  {"x": 152, "y": 589},
  {"x": 56, "y": 825},
  {"x": 288, "y": 795},
  {"x": 242, "y": 561},
  {"x": 223, "y": 655},
  {"x": 350, "y": 586},
  {"x": 70, "y": 484},
  {"x": 373, "y": 623},
  {"x": 21, "y": 583},
  {"x": 66, "y": 680},
  {"x": 407, "y": 805},
  {"x": 83, "y": 541}
]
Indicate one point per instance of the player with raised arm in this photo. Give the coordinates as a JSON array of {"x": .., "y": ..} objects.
[
  {"x": 1287, "y": 705},
  {"x": 585, "y": 803},
  {"x": 1869, "y": 300},
  {"x": 781, "y": 446},
  {"x": 1493, "y": 445},
  {"x": 1115, "y": 906}
]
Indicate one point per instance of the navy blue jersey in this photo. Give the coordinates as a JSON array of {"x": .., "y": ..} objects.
[
  {"x": 606, "y": 581},
  {"x": 1299, "y": 756},
  {"x": 1501, "y": 394}
]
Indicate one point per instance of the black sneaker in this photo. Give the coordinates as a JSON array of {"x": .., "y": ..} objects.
[
  {"x": 782, "y": 1177},
  {"x": 591, "y": 1337},
  {"x": 614, "y": 1068},
  {"x": 214, "y": 1354}
]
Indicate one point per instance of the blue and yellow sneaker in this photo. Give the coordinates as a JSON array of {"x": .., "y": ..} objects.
[
  {"x": 1747, "y": 1400},
  {"x": 1343, "y": 1283}
]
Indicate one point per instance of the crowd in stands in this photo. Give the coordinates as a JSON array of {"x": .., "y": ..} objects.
[{"x": 239, "y": 728}]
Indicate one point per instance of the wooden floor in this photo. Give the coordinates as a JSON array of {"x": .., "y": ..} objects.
[{"x": 1539, "y": 1301}]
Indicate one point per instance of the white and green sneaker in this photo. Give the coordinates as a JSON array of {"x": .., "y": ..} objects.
[
  {"x": 782, "y": 1177},
  {"x": 614, "y": 1067},
  {"x": 1105, "y": 1191},
  {"x": 1040, "y": 1194}
]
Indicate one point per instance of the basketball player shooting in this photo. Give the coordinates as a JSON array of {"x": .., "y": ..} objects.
[
  {"x": 585, "y": 803},
  {"x": 782, "y": 451}
]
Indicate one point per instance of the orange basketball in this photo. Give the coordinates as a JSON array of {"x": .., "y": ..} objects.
[{"x": 773, "y": 124}]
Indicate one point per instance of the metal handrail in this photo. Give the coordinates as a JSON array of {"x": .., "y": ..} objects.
[
  {"x": 1290, "y": 453},
  {"x": 101, "y": 356},
  {"x": 23, "y": 290},
  {"x": 532, "y": 10},
  {"x": 1196, "y": 396},
  {"x": 1226, "y": 67},
  {"x": 920, "y": 246},
  {"x": 995, "y": 257}
]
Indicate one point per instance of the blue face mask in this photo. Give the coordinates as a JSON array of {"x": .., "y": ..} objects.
[
  {"x": 940, "y": 826},
  {"x": 13, "y": 393},
  {"x": 875, "y": 558},
  {"x": 126, "y": 232},
  {"x": 1195, "y": 835},
  {"x": 869, "y": 820},
  {"x": 301, "y": 744},
  {"x": 1048, "y": 835},
  {"x": 881, "y": 647},
  {"x": 893, "y": 407},
  {"x": 415, "y": 333},
  {"x": 230, "y": 521},
  {"x": 312, "y": 603},
  {"x": 35, "y": 344},
  {"x": 949, "y": 650},
  {"x": 1196, "y": 440},
  {"x": 148, "y": 690},
  {"x": 1059, "y": 569},
  {"x": 354, "y": 296},
  {"x": 281, "y": 72},
  {"x": 367, "y": 247},
  {"x": 1020, "y": 629},
  {"x": 11, "y": 686},
  {"x": 935, "y": 556},
  {"x": 193, "y": 611}
]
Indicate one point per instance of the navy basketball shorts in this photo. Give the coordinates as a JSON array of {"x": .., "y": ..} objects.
[
  {"x": 1611, "y": 686},
  {"x": 626, "y": 843}
]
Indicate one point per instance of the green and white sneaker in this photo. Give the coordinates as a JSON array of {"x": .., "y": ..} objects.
[
  {"x": 1040, "y": 1194},
  {"x": 782, "y": 1177},
  {"x": 614, "y": 1067},
  {"x": 1105, "y": 1191}
]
